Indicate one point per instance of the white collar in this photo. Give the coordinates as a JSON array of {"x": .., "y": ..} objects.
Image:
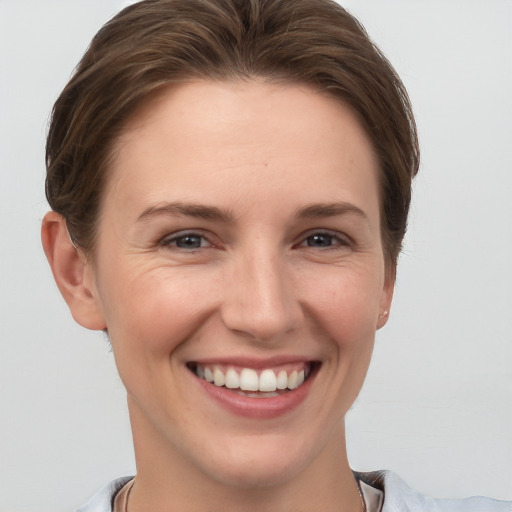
[{"x": 373, "y": 498}]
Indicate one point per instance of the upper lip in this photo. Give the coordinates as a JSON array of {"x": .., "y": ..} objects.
[{"x": 255, "y": 363}]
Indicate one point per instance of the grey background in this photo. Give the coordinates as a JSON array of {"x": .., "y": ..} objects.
[{"x": 437, "y": 404}]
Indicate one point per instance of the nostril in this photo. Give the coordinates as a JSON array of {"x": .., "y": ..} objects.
[{"x": 262, "y": 323}]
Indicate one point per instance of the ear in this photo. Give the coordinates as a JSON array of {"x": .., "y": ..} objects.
[
  {"x": 387, "y": 297},
  {"x": 71, "y": 272}
]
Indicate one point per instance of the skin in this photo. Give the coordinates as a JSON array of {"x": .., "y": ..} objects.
[{"x": 273, "y": 276}]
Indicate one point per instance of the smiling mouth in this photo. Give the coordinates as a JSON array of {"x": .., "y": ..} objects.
[{"x": 252, "y": 383}]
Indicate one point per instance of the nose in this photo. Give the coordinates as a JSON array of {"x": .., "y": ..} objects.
[{"x": 259, "y": 298}]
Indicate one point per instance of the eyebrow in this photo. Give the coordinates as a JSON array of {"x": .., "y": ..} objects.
[
  {"x": 189, "y": 209},
  {"x": 213, "y": 213},
  {"x": 330, "y": 210}
]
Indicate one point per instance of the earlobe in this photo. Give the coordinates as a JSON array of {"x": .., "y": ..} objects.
[
  {"x": 69, "y": 268},
  {"x": 387, "y": 297},
  {"x": 383, "y": 318}
]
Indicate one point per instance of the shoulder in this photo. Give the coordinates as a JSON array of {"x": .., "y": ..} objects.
[
  {"x": 399, "y": 497},
  {"x": 102, "y": 500}
]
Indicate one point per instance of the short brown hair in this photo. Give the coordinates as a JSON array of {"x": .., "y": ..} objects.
[{"x": 160, "y": 42}]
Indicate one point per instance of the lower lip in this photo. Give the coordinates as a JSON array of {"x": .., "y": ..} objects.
[{"x": 262, "y": 408}]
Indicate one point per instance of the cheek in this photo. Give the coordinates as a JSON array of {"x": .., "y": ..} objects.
[
  {"x": 346, "y": 305},
  {"x": 154, "y": 311}
]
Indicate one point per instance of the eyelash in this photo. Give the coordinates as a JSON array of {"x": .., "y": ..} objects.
[
  {"x": 171, "y": 241},
  {"x": 336, "y": 240}
]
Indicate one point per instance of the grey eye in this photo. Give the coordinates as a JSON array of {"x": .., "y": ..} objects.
[
  {"x": 189, "y": 241},
  {"x": 320, "y": 240}
]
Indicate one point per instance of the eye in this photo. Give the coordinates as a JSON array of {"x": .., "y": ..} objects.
[
  {"x": 324, "y": 240},
  {"x": 186, "y": 241},
  {"x": 319, "y": 240}
]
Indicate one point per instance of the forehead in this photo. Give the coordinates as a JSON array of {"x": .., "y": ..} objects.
[
  {"x": 251, "y": 104},
  {"x": 204, "y": 134}
]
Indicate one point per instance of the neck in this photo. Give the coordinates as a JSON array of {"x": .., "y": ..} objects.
[{"x": 168, "y": 481}]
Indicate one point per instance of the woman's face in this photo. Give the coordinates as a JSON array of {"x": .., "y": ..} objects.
[{"x": 239, "y": 241}]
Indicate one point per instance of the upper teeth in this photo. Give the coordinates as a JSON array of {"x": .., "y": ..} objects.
[{"x": 247, "y": 379}]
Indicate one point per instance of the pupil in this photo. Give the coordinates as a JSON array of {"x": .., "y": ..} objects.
[
  {"x": 320, "y": 240},
  {"x": 189, "y": 242}
]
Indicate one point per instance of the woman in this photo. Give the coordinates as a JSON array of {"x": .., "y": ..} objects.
[{"x": 230, "y": 184}]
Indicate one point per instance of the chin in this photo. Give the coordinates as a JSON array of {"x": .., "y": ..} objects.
[
  {"x": 258, "y": 473},
  {"x": 263, "y": 463}
]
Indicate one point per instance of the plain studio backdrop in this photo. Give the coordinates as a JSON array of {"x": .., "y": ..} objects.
[{"x": 437, "y": 404}]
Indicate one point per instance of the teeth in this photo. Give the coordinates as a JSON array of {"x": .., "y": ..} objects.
[
  {"x": 208, "y": 374},
  {"x": 232, "y": 379},
  {"x": 249, "y": 381},
  {"x": 282, "y": 380},
  {"x": 218, "y": 377},
  {"x": 292, "y": 380},
  {"x": 268, "y": 381}
]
